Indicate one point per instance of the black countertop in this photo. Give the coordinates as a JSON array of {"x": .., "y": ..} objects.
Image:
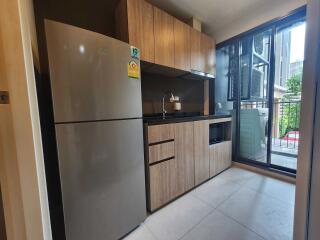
[{"x": 157, "y": 119}]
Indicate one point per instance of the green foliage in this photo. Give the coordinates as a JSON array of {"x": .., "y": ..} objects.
[{"x": 290, "y": 115}]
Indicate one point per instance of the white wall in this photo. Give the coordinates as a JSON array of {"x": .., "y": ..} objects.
[{"x": 256, "y": 18}]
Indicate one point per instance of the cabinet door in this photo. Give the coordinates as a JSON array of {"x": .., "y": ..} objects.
[
  {"x": 208, "y": 53},
  {"x": 201, "y": 151},
  {"x": 140, "y": 26},
  {"x": 159, "y": 185},
  {"x": 181, "y": 45},
  {"x": 164, "y": 38},
  {"x": 184, "y": 154},
  {"x": 197, "y": 60},
  {"x": 220, "y": 157}
]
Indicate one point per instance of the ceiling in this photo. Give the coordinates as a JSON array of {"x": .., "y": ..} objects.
[{"x": 223, "y": 19}]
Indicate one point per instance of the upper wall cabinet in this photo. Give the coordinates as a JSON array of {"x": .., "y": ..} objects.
[
  {"x": 181, "y": 45},
  {"x": 208, "y": 53},
  {"x": 202, "y": 52},
  {"x": 134, "y": 20},
  {"x": 163, "y": 38}
]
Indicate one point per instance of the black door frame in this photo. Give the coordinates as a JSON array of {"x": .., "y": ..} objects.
[{"x": 296, "y": 15}]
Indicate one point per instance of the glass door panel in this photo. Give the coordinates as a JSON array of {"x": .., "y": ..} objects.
[
  {"x": 289, "y": 57},
  {"x": 254, "y": 111}
]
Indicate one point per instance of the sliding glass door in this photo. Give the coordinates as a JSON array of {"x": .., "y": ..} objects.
[
  {"x": 263, "y": 68},
  {"x": 254, "y": 109},
  {"x": 289, "y": 57}
]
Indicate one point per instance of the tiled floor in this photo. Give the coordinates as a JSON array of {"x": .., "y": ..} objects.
[{"x": 237, "y": 204}]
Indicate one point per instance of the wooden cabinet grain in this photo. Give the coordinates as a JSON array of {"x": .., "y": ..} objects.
[
  {"x": 220, "y": 157},
  {"x": 161, "y": 151},
  {"x": 201, "y": 151},
  {"x": 163, "y": 38},
  {"x": 134, "y": 20},
  {"x": 202, "y": 52},
  {"x": 158, "y": 133},
  {"x": 197, "y": 60},
  {"x": 181, "y": 45},
  {"x": 208, "y": 54},
  {"x": 159, "y": 185},
  {"x": 184, "y": 154}
]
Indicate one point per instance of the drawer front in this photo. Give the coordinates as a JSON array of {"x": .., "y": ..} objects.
[
  {"x": 159, "y": 133},
  {"x": 161, "y": 151}
]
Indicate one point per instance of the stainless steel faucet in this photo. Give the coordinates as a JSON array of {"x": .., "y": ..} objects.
[{"x": 164, "y": 111}]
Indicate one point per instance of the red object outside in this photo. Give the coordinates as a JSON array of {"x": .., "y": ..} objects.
[{"x": 292, "y": 136}]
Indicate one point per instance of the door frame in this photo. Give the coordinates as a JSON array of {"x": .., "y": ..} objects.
[
  {"x": 292, "y": 16},
  {"x": 306, "y": 223},
  {"x": 22, "y": 175}
]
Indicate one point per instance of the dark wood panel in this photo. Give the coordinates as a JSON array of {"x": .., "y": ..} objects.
[
  {"x": 181, "y": 45},
  {"x": 164, "y": 38}
]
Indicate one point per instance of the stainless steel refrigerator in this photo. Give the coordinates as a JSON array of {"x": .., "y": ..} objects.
[{"x": 98, "y": 123}]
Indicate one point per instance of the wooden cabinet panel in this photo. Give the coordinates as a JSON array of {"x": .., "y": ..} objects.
[
  {"x": 159, "y": 185},
  {"x": 208, "y": 53},
  {"x": 161, "y": 151},
  {"x": 158, "y": 133},
  {"x": 184, "y": 155},
  {"x": 202, "y": 52},
  {"x": 181, "y": 45},
  {"x": 220, "y": 157},
  {"x": 197, "y": 60},
  {"x": 201, "y": 151},
  {"x": 163, "y": 38},
  {"x": 134, "y": 19}
]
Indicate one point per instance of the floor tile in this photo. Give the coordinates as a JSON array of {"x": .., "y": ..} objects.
[
  {"x": 176, "y": 219},
  {"x": 237, "y": 175},
  {"x": 217, "y": 226},
  {"x": 263, "y": 214},
  {"x": 278, "y": 189},
  {"x": 215, "y": 191},
  {"x": 141, "y": 233}
]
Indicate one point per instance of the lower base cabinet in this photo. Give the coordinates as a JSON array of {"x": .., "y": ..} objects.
[
  {"x": 220, "y": 157},
  {"x": 179, "y": 158},
  {"x": 160, "y": 183}
]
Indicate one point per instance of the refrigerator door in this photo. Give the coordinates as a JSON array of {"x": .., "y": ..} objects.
[
  {"x": 89, "y": 75},
  {"x": 102, "y": 177}
]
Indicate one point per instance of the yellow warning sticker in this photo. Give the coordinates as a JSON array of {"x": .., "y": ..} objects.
[{"x": 133, "y": 70}]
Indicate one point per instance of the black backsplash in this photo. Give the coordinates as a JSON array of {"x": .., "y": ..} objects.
[{"x": 155, "y": 86}]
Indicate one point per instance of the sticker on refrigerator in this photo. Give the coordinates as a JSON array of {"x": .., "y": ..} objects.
[
  {"x": 135, "y": 52},
  {"x": 133, "y": 69}
]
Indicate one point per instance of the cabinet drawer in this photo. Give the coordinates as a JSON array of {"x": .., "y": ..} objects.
[
  {"x": 161, "y": 151},
  {"x": 159, "y": 133},
  {"x": 220, "y": 157}
]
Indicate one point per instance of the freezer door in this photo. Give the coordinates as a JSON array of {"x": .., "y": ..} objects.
[
  {"x": 89, "y": 75},
  {"x": 102, "y": 177}
]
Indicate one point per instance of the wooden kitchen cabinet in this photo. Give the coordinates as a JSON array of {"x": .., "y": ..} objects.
[
  {"x": 159, "y": 152},
  {"x": 201, "y": 151},
  {"x": 159, "y": 133},
  {"x": 181, "y": 45},
  {"x": 197, "y": 59},
  {"x": 184, "y": 155},
  {"x": 159, "y": 184},
  {"x": 134, "y": 20},
  {"x": 202, "y": 52},
  {"x": 220, "y": 157},
  {"x": 208, "y": 53},
  {"x": 163, "y": 38}
]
